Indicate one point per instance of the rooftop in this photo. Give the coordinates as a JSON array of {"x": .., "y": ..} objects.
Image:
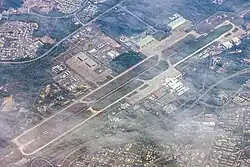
[
  {"x": 146, "y": 40},
  {"x": 176, "y": 23}
]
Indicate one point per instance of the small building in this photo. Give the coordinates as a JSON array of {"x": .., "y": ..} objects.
[
  {"x": 210, "y": 123},
  {"x": 228, "y": 44},
  {"x": 113, "y": 54},
  {"x": 177, "y": 23},
  {"x": 160, "y": 35},
  {"x": 58, "y": 68},
  {"x": 82, "y": 57},
  {"x": 236, "y": 40},
  {"x": 145, "y": 41}
]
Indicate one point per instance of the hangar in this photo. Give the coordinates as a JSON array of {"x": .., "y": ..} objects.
[{"x": 177, "y": 23}]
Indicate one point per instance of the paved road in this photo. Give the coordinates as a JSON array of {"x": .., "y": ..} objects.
[
  {"x": 126, "y": 10},
  {"x": 62, "y": 40},
  {"x": 30, "y": 138},
  {"x": 52, "y": 138},
  {"x": 38, "y": 161},
  {"x": 197, "y": 51},
  {"x": 26, "y": 135},
  {"x": 92, "y": 92},
  {"x": 50, "y": 17},
  {"x": 245, "y": 71}
]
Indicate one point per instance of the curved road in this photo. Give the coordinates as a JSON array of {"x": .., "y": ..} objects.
[
  {"x": 62, "y": 40},
  {"x": 41, "y": 159}
]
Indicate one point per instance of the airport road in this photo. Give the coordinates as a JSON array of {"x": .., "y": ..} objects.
[
  {"x": 67, "y": 120},
  {"x": 143, "y": 21},
  {"x": 71, "y": 118},
  {"x": 42, "y": 135},
  {"x": 99, "y": 89},
  {"x": 62, "y": 40},
  {"x": 59, "y": 127},
  {"x": 164, "y": 44},
  {"x": 74, "y": 128},
  {"x": 78, "y": 101},
  {"x": 197, "y": 51}
]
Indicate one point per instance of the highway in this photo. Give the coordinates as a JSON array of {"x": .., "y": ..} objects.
[
  {"x": 62, "y": 40},
  {"x": 29, "y": 139},
  {"x": 35, "y": 134},
  {"x": 50, "y": 17}
]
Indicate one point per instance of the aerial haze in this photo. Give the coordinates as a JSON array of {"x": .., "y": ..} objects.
[{"x": 113, "y": 83}]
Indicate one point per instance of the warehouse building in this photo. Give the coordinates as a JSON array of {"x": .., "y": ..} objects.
[
  {"x": 177, "y": 23},
  {"x": 145, "y": 41}
]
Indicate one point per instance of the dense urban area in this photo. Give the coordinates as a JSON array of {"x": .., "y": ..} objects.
[{"x": 124, "y": 83}]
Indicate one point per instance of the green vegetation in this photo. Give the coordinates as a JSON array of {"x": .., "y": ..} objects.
[
  {"x": 124, "y": 61},
  {"x": 172, "y": 165},
  {"x": 189, "y": 44},
  {"x": 132, "y": 85},
  {"x": 55, "y": 28},
  {"x": 203, "y": 40},
  {"x": 154, "y": 71}
]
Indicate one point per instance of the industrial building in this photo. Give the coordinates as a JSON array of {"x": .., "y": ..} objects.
[
  {"x": 228, "y": 44},
  {"x": 177, "y": 23},
  {"x": 82, "y": 57},
  {"x": 145, "y": 41},
  {"x": 175, "y": 85}
]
